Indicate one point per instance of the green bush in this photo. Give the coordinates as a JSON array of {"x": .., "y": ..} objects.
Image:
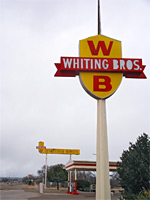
[
  {"x": 144, "y": 195},
  {"x": 83, "y": 185}
]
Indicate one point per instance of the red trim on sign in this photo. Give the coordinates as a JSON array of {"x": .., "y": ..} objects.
[
  {"x": 140, "y": 75},
  {"x": 63, "y": 73},
  {"x": 40, "y": 147},
  {"x": 72, "y": 66}
]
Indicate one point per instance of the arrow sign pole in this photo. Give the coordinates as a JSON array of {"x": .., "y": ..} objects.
[{"x": 46, "y": 172}]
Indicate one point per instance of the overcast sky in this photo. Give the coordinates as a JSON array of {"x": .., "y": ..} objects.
[{"x": 36, "y": 106}]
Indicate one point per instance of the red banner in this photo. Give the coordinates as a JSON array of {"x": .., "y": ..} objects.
[{"x": 72, "y": 66}]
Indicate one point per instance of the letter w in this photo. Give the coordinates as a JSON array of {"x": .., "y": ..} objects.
[
  {"x": 67, "y": 62},
  {"x": 101, "y": 44}
]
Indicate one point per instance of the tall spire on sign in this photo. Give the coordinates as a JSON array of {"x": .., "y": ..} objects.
[{"x": 99, "y": 19}]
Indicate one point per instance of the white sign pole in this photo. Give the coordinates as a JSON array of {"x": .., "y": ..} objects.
[
  {"x": 46, "y": 171},
  {"x": 102, "y": 160}
]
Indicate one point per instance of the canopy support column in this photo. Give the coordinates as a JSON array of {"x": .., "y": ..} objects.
[{"x": 75, "y": 193}]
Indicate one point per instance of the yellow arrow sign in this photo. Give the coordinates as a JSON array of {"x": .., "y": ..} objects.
[{"x": 57, "y": 151}]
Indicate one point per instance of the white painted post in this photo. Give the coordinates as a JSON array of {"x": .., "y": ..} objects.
[
  {"x": 41, "y": 188},
  {"x": 75, "y": 192},
  {"x": 70, "y": 183},
  {"x": 102, "y": 160},
  {"x": 68, "y": 192},
  {"x": 46, "y": 171}
]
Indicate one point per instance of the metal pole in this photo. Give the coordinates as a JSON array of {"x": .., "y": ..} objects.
[
  {"x": 102, "y": 163},
  {"x": 46, "y": 171},
  {"x": 99, "y": 19}
]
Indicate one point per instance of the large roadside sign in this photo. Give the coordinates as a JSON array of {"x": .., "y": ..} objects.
[{"x": 100, "y": 66}]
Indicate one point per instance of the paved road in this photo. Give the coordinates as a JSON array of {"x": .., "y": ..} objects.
[
  {"x": 60, "y": 195},
  {"x": 51, "y": 195},
  {"x": 14, "y": 192},
  {"x": 17, "y": 195}
]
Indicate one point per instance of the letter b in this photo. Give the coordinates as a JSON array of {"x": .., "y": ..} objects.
[{"x": 102, "y": 83}]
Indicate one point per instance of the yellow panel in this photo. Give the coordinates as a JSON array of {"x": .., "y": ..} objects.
[
  {"x": 86, "y": 80},
  {"x": 115, "y": 51},
  {"x": 41, "y": 144},
  {"x": 60, "y": 151}
]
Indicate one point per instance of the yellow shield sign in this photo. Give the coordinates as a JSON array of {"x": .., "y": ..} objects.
[{"x": 100, "y": 85}]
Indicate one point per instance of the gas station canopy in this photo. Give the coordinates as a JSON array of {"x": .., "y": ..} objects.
[{"x": 87, "y": 165}]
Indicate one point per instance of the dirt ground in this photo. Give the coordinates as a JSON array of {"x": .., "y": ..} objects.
[{"x": 12, "y": 186}]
